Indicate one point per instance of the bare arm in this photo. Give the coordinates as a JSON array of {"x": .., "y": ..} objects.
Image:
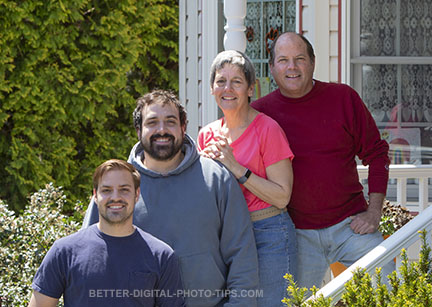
[
  {"x": 275, "y": 190},
  {"x": 42, "y": 300},
  {"x": 368, "y": 221}
]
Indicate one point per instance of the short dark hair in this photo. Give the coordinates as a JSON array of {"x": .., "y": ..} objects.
[
  {"x": 158, "y": 96},
  {"x": 234, "y": 57},
  {"x": 116, "y": 164},
  {"x": 309, "y": 48}
]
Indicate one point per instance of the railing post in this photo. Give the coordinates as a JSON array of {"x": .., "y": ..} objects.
[
  {"x": 401, "y": 195},
  {"x": 235, "y": 13},
  {"x": 423, "y": 193}
]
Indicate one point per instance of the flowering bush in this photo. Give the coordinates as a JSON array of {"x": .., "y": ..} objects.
[
  {"x": 25, "y": 239},
  {"x": 412, "y": 287}
]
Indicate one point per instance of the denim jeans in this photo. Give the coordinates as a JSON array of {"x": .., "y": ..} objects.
[
  {"x": 277, "y": 248},
  {"x": 318, "y": 248}
]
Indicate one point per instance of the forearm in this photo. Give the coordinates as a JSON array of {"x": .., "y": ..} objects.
[
  {"x": 276, "y": 189},
  {"x": 376, "y": 201}
]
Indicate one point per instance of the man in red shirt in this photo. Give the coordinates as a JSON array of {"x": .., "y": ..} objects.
[{"x": 327, "y": 126}]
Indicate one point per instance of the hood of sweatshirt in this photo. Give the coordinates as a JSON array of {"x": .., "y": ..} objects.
[{"x": 190, "y": 156}]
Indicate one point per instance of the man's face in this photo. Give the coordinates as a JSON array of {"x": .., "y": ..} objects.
[
  {"x": 161, "y": 132},
  {"x": 116, "y": 197},
  {"x": 292, "y": 68}
]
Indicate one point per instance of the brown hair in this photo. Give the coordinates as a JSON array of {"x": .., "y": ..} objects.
[
  {"x": 158, "y": 96},
  {"x": 116, "y": 164}
]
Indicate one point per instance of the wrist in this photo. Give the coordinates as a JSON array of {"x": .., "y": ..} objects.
[{"x": 245, "y": 176}]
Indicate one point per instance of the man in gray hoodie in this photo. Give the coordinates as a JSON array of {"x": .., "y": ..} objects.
[{"x": 193, "y": 204}]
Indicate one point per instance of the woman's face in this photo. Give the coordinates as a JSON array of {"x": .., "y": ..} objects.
[{"x": 230, "y": 88}]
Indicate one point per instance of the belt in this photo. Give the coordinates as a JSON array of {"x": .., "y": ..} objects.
[{"x": 265, "y": 213}]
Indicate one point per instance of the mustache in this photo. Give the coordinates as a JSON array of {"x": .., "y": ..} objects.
[
  {"x": 116, "y": 202},
  {"x": 155, "y": 136}
]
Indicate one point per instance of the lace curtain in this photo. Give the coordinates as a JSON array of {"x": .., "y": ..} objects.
[{"x": 397, "y": 28}]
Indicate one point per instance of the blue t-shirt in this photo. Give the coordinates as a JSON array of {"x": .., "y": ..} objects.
[{"x": 91, "y": 268}]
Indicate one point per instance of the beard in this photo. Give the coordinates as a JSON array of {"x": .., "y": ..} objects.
[
  {"x": 162, "y": 152},
  {"x": 114, "y": 218}
]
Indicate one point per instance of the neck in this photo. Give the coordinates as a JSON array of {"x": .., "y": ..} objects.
[
  {"x": 239, "y": 119},
  {"x": 237, "y": 122},
  {"x": 163, "y": 167},
  {"x": 116, "y": 230}
]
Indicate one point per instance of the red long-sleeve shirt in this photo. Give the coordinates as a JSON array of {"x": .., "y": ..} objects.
[{"x": 326, "y": 129}]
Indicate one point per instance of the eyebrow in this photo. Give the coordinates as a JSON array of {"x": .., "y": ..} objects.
[
  {"x": 122, "y": 185},
  {"x": 155, "y": 117}
]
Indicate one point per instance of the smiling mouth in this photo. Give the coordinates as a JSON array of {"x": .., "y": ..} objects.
[
  {"x": 292, "y": 76},
  {"x": 228, "y": 98},
  {"x": 161, "y": 140}
]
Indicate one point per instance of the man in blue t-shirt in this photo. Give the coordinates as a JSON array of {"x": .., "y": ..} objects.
[{"x": 113, "y": 262}]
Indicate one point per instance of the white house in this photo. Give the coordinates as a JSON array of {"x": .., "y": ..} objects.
[{"x": 382, "y": 48}]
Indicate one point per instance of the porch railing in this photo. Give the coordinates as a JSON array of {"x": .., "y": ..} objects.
[{"x": 403, "y": 238}]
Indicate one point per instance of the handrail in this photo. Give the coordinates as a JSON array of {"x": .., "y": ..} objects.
[
  {"x": 401, "y": 172},
  {"x": 381, "y": 254}
]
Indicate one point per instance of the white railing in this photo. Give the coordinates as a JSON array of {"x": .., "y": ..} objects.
[
  {"x": 403, "y": 172},
  {"x": 403, "y": 238}
]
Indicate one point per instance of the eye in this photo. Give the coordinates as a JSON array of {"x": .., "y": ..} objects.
[
  {"x": 171, "y": 122},
  {"x": 150, "y": 123}
]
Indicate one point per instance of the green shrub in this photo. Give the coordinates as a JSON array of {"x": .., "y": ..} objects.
[
  {"x": 69, "y": 75},
  {"x": 411, "y": 288},
  {"x": 25, "y": 239}
]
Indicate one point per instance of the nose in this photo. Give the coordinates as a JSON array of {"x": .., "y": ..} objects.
[
  {"x": 115, "y": 194},
  {"x": 161, "y": 127},
  {"x": 229, "y": 85},
  {"x": 291, "y": 64}
]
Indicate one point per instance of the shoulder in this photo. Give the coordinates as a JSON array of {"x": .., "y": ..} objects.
[
  {"x": 155, "y": 244},
  {"x": 265, "y": 121},
  {"x": 78, "y": 237},
  {"x": 340, "y": 89},
  {"x": 207, "y": 133},
  {"x": 260, "y": 103}
]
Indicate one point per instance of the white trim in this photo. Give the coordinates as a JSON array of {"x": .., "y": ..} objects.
[
  {"x": 397, "y": 60},
  {"x": 210, "y": 50}
]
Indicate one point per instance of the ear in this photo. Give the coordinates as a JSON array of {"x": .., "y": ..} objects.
[
  {"x": 251, "y": 90},
  {"x": 137, "y": 194},
  {"x": 95, "y": 194},
  {"x": 138, "y": 132},
  {"x": 211, "y": 90}
]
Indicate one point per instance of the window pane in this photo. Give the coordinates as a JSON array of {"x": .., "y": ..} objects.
[
  {"x": 416, "y": 28},
  {"x": 417, "y": 93},
  {"x": 379, "y": 91},
  {"x": 378, "y": 28}
]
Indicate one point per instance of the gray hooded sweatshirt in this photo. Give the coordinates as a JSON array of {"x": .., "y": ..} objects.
[{"x": 199, "y": 210}]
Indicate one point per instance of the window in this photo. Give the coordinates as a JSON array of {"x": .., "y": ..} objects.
[
  {"x": 264, "y": 21},
  {"x": 392, "y": 70}
]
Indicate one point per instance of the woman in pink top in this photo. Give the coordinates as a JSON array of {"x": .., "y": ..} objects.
[{"x": 255, "y": 149}]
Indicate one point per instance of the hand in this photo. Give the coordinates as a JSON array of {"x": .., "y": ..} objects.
[
  {"x": 221, "y": 151},
  {"x": 366, "y": 222}
]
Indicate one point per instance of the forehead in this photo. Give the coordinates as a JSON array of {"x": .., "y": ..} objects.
[
  {"x": 116, "y": 177},
  {"x": 290, "y": 45},
  {"x": 230, "y": 69},
  {"x": 160, "y": 110}
]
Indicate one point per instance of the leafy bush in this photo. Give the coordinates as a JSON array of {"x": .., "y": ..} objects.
[
  {"x": 411, "y": 288},
  {"x": 69, "y": 73},
  {"x": 25, "y": 239}
]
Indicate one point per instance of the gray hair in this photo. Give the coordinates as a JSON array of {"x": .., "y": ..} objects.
[{"x": 234, "y": 57}]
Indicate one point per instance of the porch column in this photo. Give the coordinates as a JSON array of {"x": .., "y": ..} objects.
[{"x": 235, "y": 13}]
